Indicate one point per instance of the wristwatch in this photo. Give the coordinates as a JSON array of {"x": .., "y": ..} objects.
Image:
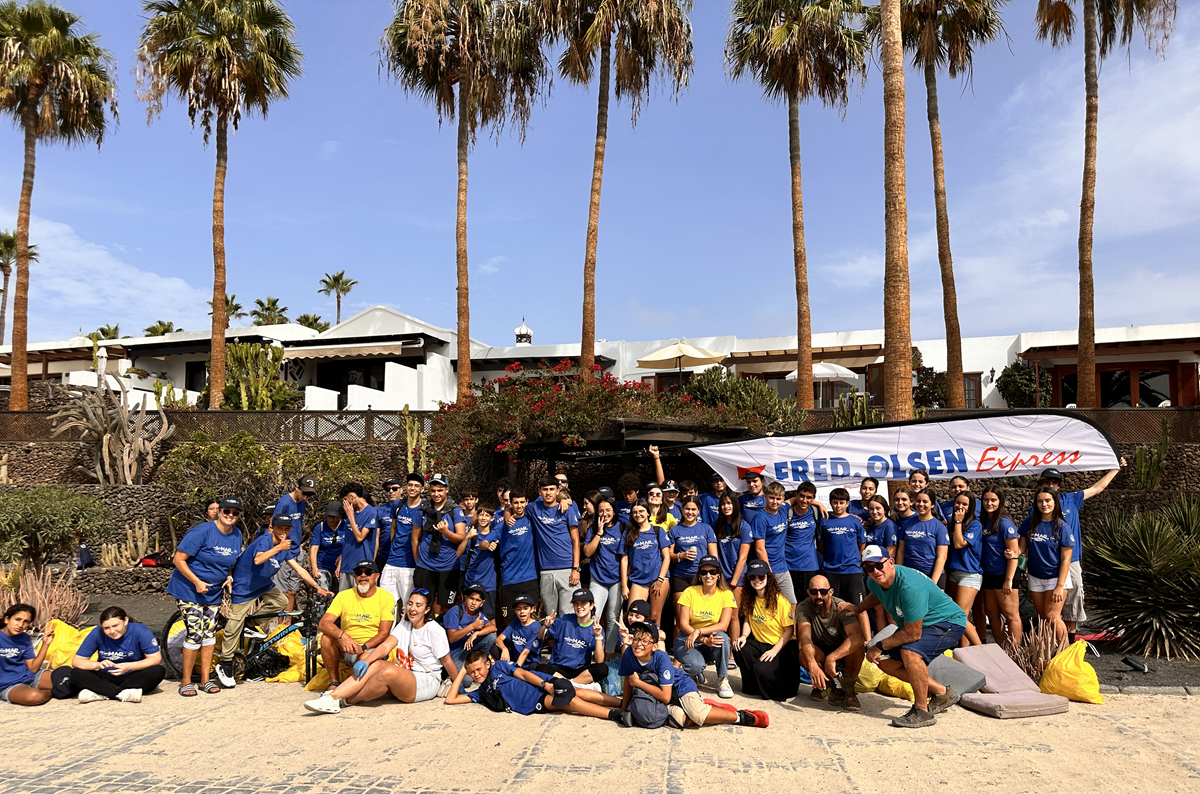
[{"x": 576, "y": 569}]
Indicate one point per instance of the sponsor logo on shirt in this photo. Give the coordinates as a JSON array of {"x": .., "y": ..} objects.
[
  {"x": 840, "y": 530},
  {"x": 518, "y": 531},
  {"x": 899, "y": 612},
  {"x": 12, "y": 653},
  {"x": 831, "y": 630},
  {"x": 575, "y": 642},
  {"x": 224, "y": 551}
]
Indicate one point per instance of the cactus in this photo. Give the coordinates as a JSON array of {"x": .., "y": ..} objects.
[
  {"x": 254, "y": 370},
  {"x": 135, "y": 547},
  {"x": 416, "y": 442},
  {"x": 165, "y": 397},
  {"x": 1151, "y": 463},
  {"x": 854, "y": 410},
  {"x": 4, "y": 478}
]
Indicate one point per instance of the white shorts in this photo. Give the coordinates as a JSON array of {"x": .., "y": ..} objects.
[
  {"x": 1037, "y": 585},
  {"x": 692, "y": 707},
  {"x": 428, "y": 685},
  {"x": 399, "y": 582}
]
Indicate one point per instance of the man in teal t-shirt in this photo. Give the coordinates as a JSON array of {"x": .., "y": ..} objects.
[{"x": 929, "y": 623}]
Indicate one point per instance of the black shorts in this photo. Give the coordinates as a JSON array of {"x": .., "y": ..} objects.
[
  {"x": 847, "y": 586},
  {"x": 599, "y": 671},
  {"x": 679, "y": 584},
  {"x": 509, "y": 593},
  {"x": 993, "y": 581},
  {"x": 443, "y": 584},
  {"x": 800, "y": 580}
]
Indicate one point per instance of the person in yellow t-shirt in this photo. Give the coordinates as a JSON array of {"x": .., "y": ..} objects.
[
  {"x": 705, "y": 612},
  {"x": 357, "y": 620},
  {"x": 766, "y": 651}
]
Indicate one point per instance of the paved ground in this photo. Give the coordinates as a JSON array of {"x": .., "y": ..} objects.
[{"x": 258, "y": 739}]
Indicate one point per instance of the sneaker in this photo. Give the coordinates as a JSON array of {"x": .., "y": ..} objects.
[
  {"x": 754, "y": 719},
  {"x": 130, "y": 696},
  {"x": 852, "y": 703},
  {"x": 225, "y": 675},
  {"x": 817, "y": 694},
  {"x": 914, "y": 718},
  {"x": 324, "y": 705},
  {"x": 724, "y": 689},
  {"x": 939, "y": 703},
  {"x": 88, "y": 696},
  {"x": 622, "y": 718}
]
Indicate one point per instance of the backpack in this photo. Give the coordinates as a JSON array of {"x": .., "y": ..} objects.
[
  {"x": 647, "y": 711},
  {"x": 433, "y": 517},
  {"x": 156, "y": 560},
  {"x": 86, "y": 558}
]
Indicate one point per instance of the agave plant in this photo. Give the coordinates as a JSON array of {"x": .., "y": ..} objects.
[
  {"x": 1147, "y": 570},
  {"x": 1042, "y": 643}
]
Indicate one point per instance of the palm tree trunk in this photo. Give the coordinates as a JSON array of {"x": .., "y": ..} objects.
[
  {"x": 955, "y": 393},
  {"x": 897, "y": 336},
  {"x": 339, "y": 309},
  {"x": 18, "y": 397},
  {"x": 4, "y": 305},
  {"x": 216, "y": 367},
  {"x": 587, "y": 345},
  {"x": 1086, "y": 378},
  {"x": 460, "y": 234},
  {"x": 804, "y": 381}
]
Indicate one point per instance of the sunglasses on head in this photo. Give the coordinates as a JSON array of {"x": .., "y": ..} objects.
[
  {"x": 421, "y": 591},
  {"x": 871, "y": 567},
  {"x": 561, "y": 480},
  {"x": 815, "y": 591}
]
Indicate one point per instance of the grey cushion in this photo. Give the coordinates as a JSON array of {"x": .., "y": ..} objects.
[
  {"x": 956, "y": 675},
  {"x": 1003, "y": 674},
  {"x": 1011, "y": 705}
]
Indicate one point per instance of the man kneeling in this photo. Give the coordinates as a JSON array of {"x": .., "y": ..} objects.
[
  {"x": 828, "y": 635},
  {"x": 930, "y": 622},
  {"x": 505, "y": 687}
]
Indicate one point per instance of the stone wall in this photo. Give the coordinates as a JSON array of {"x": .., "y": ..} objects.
[
  {"x": 121, "y": 581},
  {"x": 31, "y": 463},
  {"x": 42, "y": 394}
]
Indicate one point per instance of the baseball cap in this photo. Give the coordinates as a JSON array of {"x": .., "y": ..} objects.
[
  {"x": 280, "y": 520},
  {"x": 583, "y": 594},
  {"x": 564, "y": 692},
  {"x": 439, "y": 479},
  {"x": 1050, "y": 474},
  {"x": 333, "y": 509},
  {"x": 714, "y": 477},
  {"x": 525, "y": 599},
  {"x": 645, "y": 627},
  {"x": 708, "y": 559},
  {"x": 307, "y": 485},
  {"x": 640, "y": 607},
  {"x": 750, "y": 475},
  {"x": 392, "y": 481},
  {"x": 412, "y": 476},
  {"x": 606, "y": 492},
  {"x": 366, "y": 565},
  {"x": 231, "y": 502},
  {"x": 670, "y": 485},
  {"x": 475, "y": 588},
  {"x": 757, "y": 568},
  {"x": 874, "y": 554}
]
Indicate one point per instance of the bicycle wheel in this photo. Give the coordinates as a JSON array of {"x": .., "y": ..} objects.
[{"x": 170, "y": 662}]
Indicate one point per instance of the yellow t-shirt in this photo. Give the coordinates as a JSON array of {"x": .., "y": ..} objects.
[
  {"x": 705, "y": 610},
  {"x": 767, "y": 625},
  {"x": 360, "y": 617},
  {"x": 670, "y": 522}
]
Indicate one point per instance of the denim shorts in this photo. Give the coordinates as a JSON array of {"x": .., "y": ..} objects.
[
  {"x": 37, "y": 678},
  {"x": 934, "y": 641}
]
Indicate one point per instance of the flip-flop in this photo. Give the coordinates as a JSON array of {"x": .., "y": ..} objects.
[
  {"x": 188, "y": 690},
  {"x": 210, "y": 687}
]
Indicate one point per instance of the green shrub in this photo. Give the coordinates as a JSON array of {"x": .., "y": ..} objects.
[
  {"x": 1016, "y": 385},
  {"x": 753, "y": 400},
  {"x": 1146, "y": 571},
  {"x": 37, "y": 523}
]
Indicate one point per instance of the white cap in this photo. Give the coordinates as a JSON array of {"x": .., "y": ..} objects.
[{"x": 874, "y": 554}]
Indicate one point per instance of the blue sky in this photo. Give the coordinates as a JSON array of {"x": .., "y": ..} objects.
[{"x": 695, "y": 234}]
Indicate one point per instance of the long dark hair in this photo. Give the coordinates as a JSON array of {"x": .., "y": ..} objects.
[
  {"x": 969, "y": 516},
  {"x": 586, "y": 519},
  {"x": 596, "y": 518},
  {"x": 770, "y": 594},
  {"x": 908, "y": 492},
  {"x": 993, "y": 519},
  {"x": 691, "y": 500},
  {"x": 16, "y": 609},
  {"x": 1057, "y": 519},
  {"x": 886, "y": 508},
  {"x": 934, "y": 510},
  {"x": 730, "y": 527},
  {"x": 632, "y": 530},
  {"x": 115, "y": 612}
]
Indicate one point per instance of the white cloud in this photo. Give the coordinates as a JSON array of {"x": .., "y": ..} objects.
[
  {"x": 329, "y": 149},
  {"x": 491, "y": 267}
]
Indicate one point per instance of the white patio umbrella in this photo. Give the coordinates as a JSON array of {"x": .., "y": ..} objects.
[
  {"x": 678, "y": 356},
  {"x": 824, "y": 370}
]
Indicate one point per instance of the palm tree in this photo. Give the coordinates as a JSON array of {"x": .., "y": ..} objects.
[
  {"x": 945, "y": 33},
  {"x": 268, "y": 312},
  {"x": 1106, "y": 24},
  {"x": 56, "y": 86},
  {"x": 222, "y": 57},
  {"x": 313, "y": 321},
  {"x": 897, "y": 333},
  {"x": 647, "y": 36},
  {"x": 798, "y": 50},
  {"x": 233, "y": 309},
  {"x": 8, "y": 258},
  {"x": 161, "y": 328},
  {"x": 338, "y": 285},
  {"x": 109, "y": 331},
  {"x": 479, "y": 62}
]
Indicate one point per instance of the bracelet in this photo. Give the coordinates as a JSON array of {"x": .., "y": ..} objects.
[{"x": 663, "y": 579}]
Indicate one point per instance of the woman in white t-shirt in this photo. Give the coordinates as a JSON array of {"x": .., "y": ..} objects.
[{"x": 422, "y": 651}]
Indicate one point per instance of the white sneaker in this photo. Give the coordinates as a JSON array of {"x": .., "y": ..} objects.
[
  {"x": 724, "y": 689},
  {"x": 324, "y": 705},
  {"x": 225, "y": 675},
  {"x": 592, "y": 686},
  {"x": 88, "y": 696},
  {"x": 130, "y": 696}
]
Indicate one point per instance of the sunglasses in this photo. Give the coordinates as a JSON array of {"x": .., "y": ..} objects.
[
  {"x": 561, "y": 481},
  {"x": 758, "y": 576},
  {"x": 708, "y": 572},
  {"x": 363, "y": 573},
  {"x": 421, "y": 591},
  {"x": 394, "y": 487},
  {"x": 871, "y": 567},
  {"x": 814, "y": 591},
  {"x": 227, "y": 512}
]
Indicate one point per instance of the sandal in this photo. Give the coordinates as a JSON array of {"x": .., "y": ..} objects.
[
  {"x": 210, "y": 687},
  {"x": 188, "y": 690}
]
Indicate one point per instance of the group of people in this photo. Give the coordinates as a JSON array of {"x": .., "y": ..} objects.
[{"x": 531, "y": 596}]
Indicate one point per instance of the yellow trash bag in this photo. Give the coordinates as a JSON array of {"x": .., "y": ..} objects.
[
  {"x": 868, "y": 677},
  {"x": 174, "y": 648},
  {"x": 890, "y": 685},
  {"x": 291, "y": 646},
  {"x": 1069, "y": 675},
  {"x": 66, "y": 642},
  {"x": 320, "y": 679}
]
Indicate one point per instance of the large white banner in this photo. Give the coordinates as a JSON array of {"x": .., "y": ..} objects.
[{"x": 1008, "y": 444}]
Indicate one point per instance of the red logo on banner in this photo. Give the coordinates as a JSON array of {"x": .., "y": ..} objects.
[{"x": 756, "y": 470}]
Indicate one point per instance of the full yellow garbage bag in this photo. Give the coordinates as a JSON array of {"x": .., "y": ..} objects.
[
  {"x": 320, "y": 679},
  {"x": 66, "y": 642},
  {"x": 1069, "y": 675},
  {"x": 868, "y": 678},
  {"x": 291, "y": 646},
  {"x": 890, "y": 685}
]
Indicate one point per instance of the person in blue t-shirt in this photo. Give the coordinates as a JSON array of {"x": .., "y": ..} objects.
[
  {"x": 467, "y": 627},
  {"x": 478, "y": 554},
  {"x": 128, "y": 660},
  {"x": 842, "y": 541},
  {"x": 881, "y": 530},
  {"x": 861, "y": 506},
  {"x": 576, "y": 643},
  {"x": 325, "y": 550},
  {"x": 690, "y": 540},
  {"x": 710, "y": 501},
  {"x": 734, "y": 541},
  {"x": 522, "y": 638},
  {"x": 22, "y": 680},
  {"x": 505, "y": 687},
  {"x": 1049, "y": 544},
  {"x": 800, "y": 546},
  {"x": 518, "y": 560},
  {"x": 435, "y": 543},
  {"x": 958, "y": 485},
  {"x": 362, "y": 540},
  {"x": 1001, "y": 550},
  {"x": 604, "y": 546},
  {"x": 293, "y": 505},
  {"x": 397, "y": 574},
  {"x": 628, "y": 486},
  {"x": 556, "y": 543},
  {"x": 645, "y": 560},
  {"x": 394, "y": 489},
  {"x": 753, "y": 500},
  {"x": 769, "y": 526},
  {"x": 203, "y": 562},
  {"x": 924, "y": 541},
  {"x": 965, "y": 577}
]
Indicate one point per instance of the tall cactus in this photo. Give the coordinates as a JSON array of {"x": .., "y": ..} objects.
[
  {"x": 854, "y": 410},
  {"x": 254, "y": 370},
  {"x": 1151, "y": 464},
  {"x": 416, "y": 442}
]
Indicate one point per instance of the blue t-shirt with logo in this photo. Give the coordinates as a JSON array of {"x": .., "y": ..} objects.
[
  {"x": 481, "y": 567},
  {"x": 250, "y": 580},
  {"x": 857, "y": 508},
  {"x": 730, "y": 548},
  {"x": 14, "y": 651},
  {"x": 518, "y": 638},
  {"x": 623, "y": 512},
  {"x": 1043, "y": 549},
  {"x": 675, "y": 511},
  {"x": 709, "y": 504},
  {"x": 137, "y": 643},
  {"x": 295, "y": 511},
  {"x": 387, "y": 522},
  {"x": 800, "y": 549},
  {"x": 328, "y": 541},
  {"x": 552, "y": 534},
  {"x": 211, "y": 556},
  {"x": 355, "y": 551},
  {"x": 839, "y": 540},
  {"x": 1071, "y": 503},
  {"x": 994, "y": 561},
  {"x": 606, "y": 559},
  {"x": 516, "y": 552},
  {"x": 457, "y": 617},
  {"x": 665, "y": 673},
  {"x": 751, "y": 506},
  {"x": 697, "y": 537},
  {"x": 645, "y": 555},
  {"x": 883, "y": 534},
  {"x": 447, "y": 557},
  {"x": 921, "y": 539},
  {"x": 772, "y": 529},
  {"x": 968, "y": 558},
  {"x": 573, "y": 644},
  {"x": 404, "y": 518},
  {"x": 520, "y": 696}
]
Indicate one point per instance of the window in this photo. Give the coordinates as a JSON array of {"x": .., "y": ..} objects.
[
  {"x": 1133, "y": 385},
  {"x": 973, "y": 389},
  {"x": 1070, "y": 385},
  {"x": 875, "y": 383},
  {"x": 195, "y": 375},
  {"x": 666, "y": 382},
  {"x": 1115, "y": 389},
  {"x": 1154, "y": 387}
]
